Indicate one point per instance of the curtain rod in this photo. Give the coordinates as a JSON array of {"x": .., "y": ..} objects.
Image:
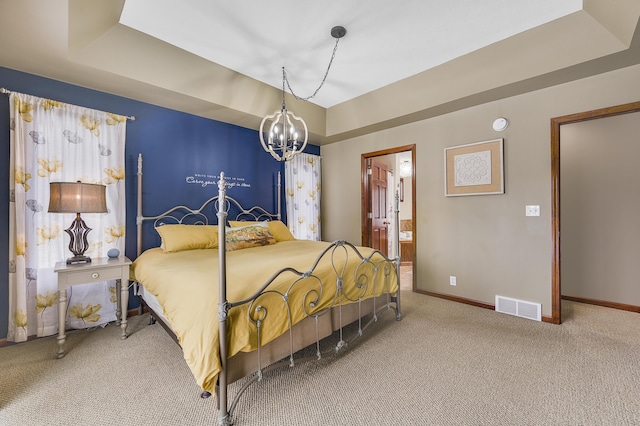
[{"x": 8, "y": 92}]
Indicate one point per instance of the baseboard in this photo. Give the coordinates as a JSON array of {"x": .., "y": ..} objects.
[
  {"x": 130, "y": 313},
  {"x": 134, "y": 312},
  {"x": 469, "y": 302},
  {"x": 604, "y": 303},
  {"x": 5, "y": 342}
]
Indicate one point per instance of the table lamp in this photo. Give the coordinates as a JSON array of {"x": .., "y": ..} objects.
[{"x": 77, "y": 197}]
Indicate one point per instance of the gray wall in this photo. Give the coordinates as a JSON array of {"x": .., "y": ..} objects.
[
  {"x": 485, "y": 241},
  {"x": 600, "y": 209}
]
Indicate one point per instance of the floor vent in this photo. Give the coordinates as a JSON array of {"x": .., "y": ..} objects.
[{"x": 519, "y": 308}]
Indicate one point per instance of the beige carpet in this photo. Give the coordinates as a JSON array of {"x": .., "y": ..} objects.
[{"x": 444, "y": 364}]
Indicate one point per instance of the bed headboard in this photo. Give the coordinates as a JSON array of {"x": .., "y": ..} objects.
[{"x": 206, "y": 214}]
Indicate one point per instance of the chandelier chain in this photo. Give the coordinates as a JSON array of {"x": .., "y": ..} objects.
[{"x": 285, "y": 79}]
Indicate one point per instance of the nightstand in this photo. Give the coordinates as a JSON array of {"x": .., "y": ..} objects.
[{"x": 102, "y": 269}]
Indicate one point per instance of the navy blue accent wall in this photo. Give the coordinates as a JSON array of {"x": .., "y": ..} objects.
[{"x": 181, "y": 153}]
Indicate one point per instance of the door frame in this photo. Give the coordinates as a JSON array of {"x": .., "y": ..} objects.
[
  {"x": 556, "y": 294},
  {"x": 364, "y": 195}
]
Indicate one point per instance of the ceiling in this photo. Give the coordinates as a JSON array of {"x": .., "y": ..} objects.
[
  {"x": 386, "y": 40},
  {"x": 399, "y": 63}
]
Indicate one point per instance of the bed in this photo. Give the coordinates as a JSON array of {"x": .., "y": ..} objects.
[{"x": 241, "y": 296}]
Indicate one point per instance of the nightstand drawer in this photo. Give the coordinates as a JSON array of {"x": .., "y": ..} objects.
[{"x": 101, "y": 274}]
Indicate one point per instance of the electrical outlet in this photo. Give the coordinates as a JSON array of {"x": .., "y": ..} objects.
[
  {"x": 452, "y": 280},
  {"x": 532, "y": 210}
]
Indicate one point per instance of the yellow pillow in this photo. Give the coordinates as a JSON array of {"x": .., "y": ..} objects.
[
  {"x": 278, "y": 229},
  {"x": 187, "y": 237},
  {"x": 248, "y": 236}
]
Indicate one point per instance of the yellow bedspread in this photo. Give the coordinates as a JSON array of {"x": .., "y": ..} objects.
[{"x": 186, "y": 285}]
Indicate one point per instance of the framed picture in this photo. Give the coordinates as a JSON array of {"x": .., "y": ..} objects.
[{"x": 474, "y": 169}]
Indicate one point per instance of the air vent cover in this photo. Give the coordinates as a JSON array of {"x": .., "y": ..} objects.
[{"x": 519, "y": 308}]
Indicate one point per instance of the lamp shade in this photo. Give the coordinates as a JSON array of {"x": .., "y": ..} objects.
[{"x": 77, "y": 197}]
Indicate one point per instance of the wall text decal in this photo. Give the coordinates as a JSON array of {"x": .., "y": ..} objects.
[{"x": 205, "y": 180}]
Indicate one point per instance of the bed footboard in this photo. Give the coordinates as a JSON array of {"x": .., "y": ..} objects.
[{"x": 361, "y": 294}]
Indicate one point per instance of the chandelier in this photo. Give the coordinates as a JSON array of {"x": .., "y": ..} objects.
[{"x": 286, "y": 133}]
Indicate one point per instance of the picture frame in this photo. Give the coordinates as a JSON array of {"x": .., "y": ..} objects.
[{"x": 474, "y": 169}]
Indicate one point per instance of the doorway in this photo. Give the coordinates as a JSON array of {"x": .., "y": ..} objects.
[
  {"x": 381, "y": 181},
  {"x": 556, "y": 123}
]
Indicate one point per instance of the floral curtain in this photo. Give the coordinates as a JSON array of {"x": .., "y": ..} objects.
[
  {"x": 56, "y": 142},
  {"x": 302, "y": 181}
]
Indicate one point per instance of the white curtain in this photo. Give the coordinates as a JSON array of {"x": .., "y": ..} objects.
[
  {"x": 302, "y": 181},
  {"x": 56, "y": 142}
]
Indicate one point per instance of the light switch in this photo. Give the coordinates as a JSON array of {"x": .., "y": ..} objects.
[{"x": 532, "y": 211}]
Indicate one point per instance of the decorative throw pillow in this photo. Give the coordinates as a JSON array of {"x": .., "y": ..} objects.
[
  {"x": 278, "y": 229},
  {"x": 248, "y": 236},
  {"x": 187, "y": 237}
]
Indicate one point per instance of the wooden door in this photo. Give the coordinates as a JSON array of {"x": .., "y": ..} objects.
[{"x": 379, "y": 211}]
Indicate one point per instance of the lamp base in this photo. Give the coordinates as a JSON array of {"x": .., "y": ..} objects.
[{"x": 78, "y": 259}]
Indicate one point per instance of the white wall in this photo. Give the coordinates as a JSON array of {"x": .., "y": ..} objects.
[
  {"x": 486, "y": 241},
  {"x": 600, "y": 205}
]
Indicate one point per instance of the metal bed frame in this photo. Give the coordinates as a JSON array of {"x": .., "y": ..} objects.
[{"x": 343, "y": 310}]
